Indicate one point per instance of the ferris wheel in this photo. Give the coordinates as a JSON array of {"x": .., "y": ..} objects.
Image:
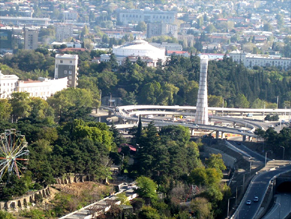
[{"x": 13, "y": 153}]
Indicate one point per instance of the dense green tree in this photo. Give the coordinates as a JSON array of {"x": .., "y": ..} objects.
[
  {"x": 5, "y": 109},
  {"x": 71, "y": 103},
  {"x": 20, "y": 103},
  {"x": 146, "y": 187},
  {"x": 201, "y": 207}
]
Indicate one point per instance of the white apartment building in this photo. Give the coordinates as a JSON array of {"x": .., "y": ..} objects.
[
  {"x": 66, "y": 65},
  {"x": 251, "y": 60},
  {"x": 63, "y": 31},
  {"x": 8, "y": 84},
  {"x": 42, "y": 88}
]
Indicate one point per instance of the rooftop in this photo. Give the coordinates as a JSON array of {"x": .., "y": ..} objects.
[{"x": 66, "y": 56}]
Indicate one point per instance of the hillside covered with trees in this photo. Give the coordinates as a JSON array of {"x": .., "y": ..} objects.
[{"x": 229, "y": 84}]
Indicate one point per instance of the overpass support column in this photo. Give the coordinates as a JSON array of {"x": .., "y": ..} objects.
[
  {"x": 222, "y": 135},
  {"x": 217, "y": 134},
  {"x": 234, "y": 124},
  {"x": 244, "y": 138},
  {"x": 192, "y": 132},
  {"x": 109, "y": 113}
]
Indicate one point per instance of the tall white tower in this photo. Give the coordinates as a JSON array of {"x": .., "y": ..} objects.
[{"x": 201, "y": 116}]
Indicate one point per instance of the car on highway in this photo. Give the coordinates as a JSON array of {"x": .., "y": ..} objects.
[
  {"x": 256, "y": 199},
  {"x": 248, "y": 202}
]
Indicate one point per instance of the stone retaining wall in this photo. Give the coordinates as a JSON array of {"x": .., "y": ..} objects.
[{"x": 24, "y": 201}]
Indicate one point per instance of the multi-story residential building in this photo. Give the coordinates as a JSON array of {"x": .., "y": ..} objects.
[
  {"x": 70, "y": 15},
  {"x": 6, "y": 38},
  {"x": 251, "y": 60},
  {"x": 63, "y": 31},
  {"x": 160, "y": 28},
  {"x": 8, "y": 84},
  {"x": 42, "y": 88},
  {"x": 67, "y": 66},
  {"x": 30, "y": 38},
  {"x": 134, "y": 16}
]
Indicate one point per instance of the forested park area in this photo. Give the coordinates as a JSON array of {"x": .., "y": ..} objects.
[{"x": 62, "y": 138}]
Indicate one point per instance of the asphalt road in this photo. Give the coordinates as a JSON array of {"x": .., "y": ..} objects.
[
  {"x": 257, "y": 187},
  {"x": 281, "y": 208},
  {"x": 248, "y": 151}
]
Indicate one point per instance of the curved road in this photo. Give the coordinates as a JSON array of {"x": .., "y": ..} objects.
[{"x": 257, "y": 187}]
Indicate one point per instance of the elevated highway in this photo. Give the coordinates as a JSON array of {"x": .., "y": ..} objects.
[{"x": 214, "y": 109}]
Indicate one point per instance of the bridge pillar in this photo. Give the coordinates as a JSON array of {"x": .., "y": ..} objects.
[
  {"x": 217, "y": 134},
  {"x": 192, "y": 132},
  {"x": 222, "y": 135},
  {"x": 244, "y": 138},
  {"x": 109, "y": 113},
  {"x": 234, "y": 124}
]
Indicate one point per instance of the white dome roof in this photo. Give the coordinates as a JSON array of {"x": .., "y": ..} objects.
[{"x": 139, "y": 48}]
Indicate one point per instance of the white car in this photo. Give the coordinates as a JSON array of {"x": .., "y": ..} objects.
[
  {"x": 256, "y": 199},
  {"x": 248, "y": 202}
]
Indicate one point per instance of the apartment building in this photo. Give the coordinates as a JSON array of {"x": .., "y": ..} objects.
[
  {"x": 30, "y": 38},
  {"x": 67, "y": 66},
  {"x": 63, "y": 31},
  {"x": 251, "y": 60}
]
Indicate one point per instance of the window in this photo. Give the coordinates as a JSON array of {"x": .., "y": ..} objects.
[
  {"x": 70, "y": 72},
  {"x": 65, "y": 72},
  {"x": 61, "y": 61},
  {"x": 70, "y": 77},
  {"x": 70, "y": 67}
]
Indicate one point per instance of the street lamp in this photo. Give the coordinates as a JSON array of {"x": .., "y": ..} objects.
[
  {"x": 283, "y": 151},
  {"x": 266, "y": 156},
  {"x": 228, "y": 206}
]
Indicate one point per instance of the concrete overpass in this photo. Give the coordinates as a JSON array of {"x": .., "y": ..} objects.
[
  {"x": 131, "y": 113},
  {"x": 213, "y": 109}
]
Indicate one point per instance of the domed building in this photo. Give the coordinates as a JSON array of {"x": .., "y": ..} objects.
[{"x": 135, "y": 49}]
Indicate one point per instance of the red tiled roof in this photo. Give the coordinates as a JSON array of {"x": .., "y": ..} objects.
[{"x": 177, "y": 52}]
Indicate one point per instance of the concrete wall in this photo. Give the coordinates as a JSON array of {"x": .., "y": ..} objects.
[
  {"x": 74, "y": 179},
  {"x": 24, "y": 201}
]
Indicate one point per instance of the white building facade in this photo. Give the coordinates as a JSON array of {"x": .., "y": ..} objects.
[
  {"x": 251, "y": 60},
  {"x": 42, "y": 88},
  {"x": 8, "y": 85},
  {"x": 128, "y": 16}
]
